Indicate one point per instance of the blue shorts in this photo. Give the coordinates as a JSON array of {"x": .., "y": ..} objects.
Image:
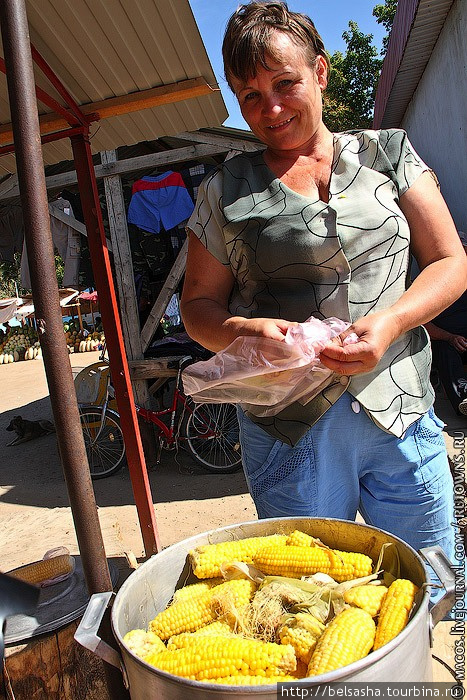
[{"x": 345, "y": 463}]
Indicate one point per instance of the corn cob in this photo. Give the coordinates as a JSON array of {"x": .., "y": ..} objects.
[
  {"x": 217, "y": 628},
  {"x": 295, "y": 562},
  {"x": 369, "y": 598},
  {"x": 302, "y": 631},
  {"x": 297, "y": 538},
  {"x": 44, "y": 570},
  {"x": 141, "y": 642},
  {"x": 395, "y": 610},
  {"x": 212, "y": 657},
  {"x": 348, "y": 638},
  {"x": 194, "y": 589},
  {"x": 251, "y": 680},
  {"x": 207, "y": 559},
  {"x": 190, "y": 615}
]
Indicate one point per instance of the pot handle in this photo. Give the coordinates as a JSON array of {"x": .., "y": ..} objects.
[
  {"x": 442, "y": 567},
  {"x": 87, "y": 632}
]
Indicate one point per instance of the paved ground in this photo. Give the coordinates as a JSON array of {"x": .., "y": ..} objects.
[{"x": 34, "y": 511}]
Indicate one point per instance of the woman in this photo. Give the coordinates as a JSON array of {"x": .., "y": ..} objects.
[{"x": 320, "y": 224}]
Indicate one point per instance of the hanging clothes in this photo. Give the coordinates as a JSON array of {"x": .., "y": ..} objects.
[
  {"x": 66, "y": 240},
  {"x": 160, "y": 201},
  {"x": 11, "y": 231}
]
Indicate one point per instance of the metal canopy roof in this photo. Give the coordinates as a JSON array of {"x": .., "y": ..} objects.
[
  {"x": 417, "y": 26},
  {"x": 106, "y": 50}
]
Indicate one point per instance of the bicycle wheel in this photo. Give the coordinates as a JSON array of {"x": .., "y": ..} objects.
[
  {"x": 211, "y": 433},
  {"x": 105, "y": 448}
]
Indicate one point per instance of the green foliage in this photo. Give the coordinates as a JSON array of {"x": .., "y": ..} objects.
[
  {"x": 10, "y": 272},
  {"x": 385, "y": 15},
  {"x": 349, "y": 96}
]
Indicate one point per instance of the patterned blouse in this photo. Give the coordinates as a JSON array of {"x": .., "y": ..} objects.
[{"x": 294, "y": 257}]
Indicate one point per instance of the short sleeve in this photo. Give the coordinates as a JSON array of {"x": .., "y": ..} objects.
[
  {"x": 406, "y": 164},
  {"x": 207, "y": 220}
]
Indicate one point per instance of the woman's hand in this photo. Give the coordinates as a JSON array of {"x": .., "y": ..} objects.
[
  {"x": 274, "y": 328},
  {"x": 375, "y": 334},
  {"x": 458, "y": 342}
]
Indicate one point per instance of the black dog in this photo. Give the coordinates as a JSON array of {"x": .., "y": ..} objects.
[{"x": 29, "y": 429}]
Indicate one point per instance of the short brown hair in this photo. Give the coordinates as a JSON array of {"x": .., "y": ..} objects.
[{"x": 249, "y": 32}]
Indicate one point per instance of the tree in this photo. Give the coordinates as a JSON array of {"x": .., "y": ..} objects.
[
  {"x": 349, "y": 96},
  {"x": 10, "y": 273},
  {"x": 385, "y": 15}
]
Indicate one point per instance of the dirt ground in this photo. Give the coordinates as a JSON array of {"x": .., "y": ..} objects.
[{"x": 34, "y": 507}]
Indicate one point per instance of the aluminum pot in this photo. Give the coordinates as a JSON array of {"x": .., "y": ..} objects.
[{"x": 148, "y": 590}]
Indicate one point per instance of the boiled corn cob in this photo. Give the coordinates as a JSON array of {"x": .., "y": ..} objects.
[
  {"x": 348, "y": 638},
  {"x": 251, "y": 680},
  {"x": 190, "y": 615},
  {"x": 207, "y": 559},
  {"x": 142, "y": 643},
  {"x": 212, "y": 657},
  {"x": 302, "y": 631},
  {"x": 217, "y": 628},
  {"x": 194, "y": 589},
  {"x": 367, "y": 597},
  {"x": 297, "y": 538},
  {"x": 395, "y": 610},
  {"x": 294, "y": 562},
  {"x": 44, "y": 570}
]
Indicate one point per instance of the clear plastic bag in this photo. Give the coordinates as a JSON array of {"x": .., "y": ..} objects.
[{"x": 267, "y": 375}]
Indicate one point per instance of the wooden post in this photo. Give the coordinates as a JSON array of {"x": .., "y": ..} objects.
[
  {"x": 80, "y": 318},
  {"x": 127, "y": 292}
]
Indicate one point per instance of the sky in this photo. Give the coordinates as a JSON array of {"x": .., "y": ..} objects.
[{"x": 331, "y": 18}]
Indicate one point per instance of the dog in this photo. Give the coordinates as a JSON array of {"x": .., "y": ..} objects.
[{"x": 29, "y": 429}]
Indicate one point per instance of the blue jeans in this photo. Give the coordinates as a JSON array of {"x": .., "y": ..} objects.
[{"x": 346, "y": 463}]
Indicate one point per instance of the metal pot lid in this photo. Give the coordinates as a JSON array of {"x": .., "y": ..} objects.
[{"x": 58, "y": 605}]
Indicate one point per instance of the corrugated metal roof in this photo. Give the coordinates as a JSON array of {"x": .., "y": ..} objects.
[
  {"x": 103, "y": 49},
  {"x": 417, "y": 26}
]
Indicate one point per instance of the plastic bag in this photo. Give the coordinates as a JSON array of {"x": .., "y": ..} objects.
[{"x": 267, "y": 375}]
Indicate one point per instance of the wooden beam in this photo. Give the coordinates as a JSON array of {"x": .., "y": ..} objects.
[
  {"x": 227, "y": 142},
  {"x": 130, "y": 165},
  {"x": 160, "y": 305},
  {"x": 122, "y": 104},
  {"x": 153, "y": 160},
  {"x": 74, "y": 223},
  {"x": 126, "y": 292},
  {"x": 8, "y": 185},
  {"x": 152, "y": 368}
]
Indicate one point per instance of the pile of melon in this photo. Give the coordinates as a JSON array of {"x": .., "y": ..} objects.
[
  {"x": 20, "y": 344},
  {"x": 78, "y": 341}
]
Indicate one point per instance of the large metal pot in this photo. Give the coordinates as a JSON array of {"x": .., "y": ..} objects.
[{"x": 148, "y": 590}]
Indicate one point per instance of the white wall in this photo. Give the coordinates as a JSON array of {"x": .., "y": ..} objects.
[{"x": 436, "y": 119}]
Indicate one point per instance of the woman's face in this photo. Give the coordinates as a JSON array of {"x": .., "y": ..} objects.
[{"x": 283, "y": 106}]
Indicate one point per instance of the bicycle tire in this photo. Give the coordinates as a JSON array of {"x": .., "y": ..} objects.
[
  {"x": 106, "y": 456},
  {"x": 211, "y": 435}
]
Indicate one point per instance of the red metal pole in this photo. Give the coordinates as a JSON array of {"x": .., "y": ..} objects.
[{"x": 114, "y": 340}]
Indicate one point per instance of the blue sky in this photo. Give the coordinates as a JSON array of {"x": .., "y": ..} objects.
[{"x": 331, "y": 18}]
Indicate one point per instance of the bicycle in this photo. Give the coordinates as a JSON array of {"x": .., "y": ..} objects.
[{"x": 209, "y": 432}]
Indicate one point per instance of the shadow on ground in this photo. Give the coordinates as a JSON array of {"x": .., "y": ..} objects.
[{"x": 31, "y": 473}]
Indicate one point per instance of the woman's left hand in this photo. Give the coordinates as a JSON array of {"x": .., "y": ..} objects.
[{"x": 375, "y": 334}]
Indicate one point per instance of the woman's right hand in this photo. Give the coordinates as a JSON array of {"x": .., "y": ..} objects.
[{"x": 274, "y": 328}]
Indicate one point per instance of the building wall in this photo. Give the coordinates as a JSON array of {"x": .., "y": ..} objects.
[{"x": 436, "y": 119}]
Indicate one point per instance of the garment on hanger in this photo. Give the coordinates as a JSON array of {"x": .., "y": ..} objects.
[
  {"x": 160, "y": 201},
  {"x": 11, "y": 231},
  {"x": 66, "y": 240}
]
